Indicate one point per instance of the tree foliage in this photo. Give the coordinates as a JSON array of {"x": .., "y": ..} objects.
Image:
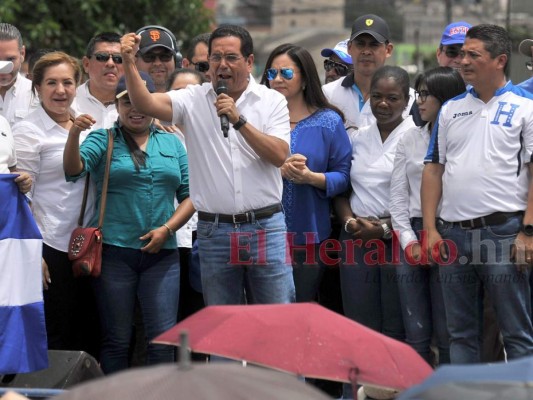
[{"x": 68, "y": 25}]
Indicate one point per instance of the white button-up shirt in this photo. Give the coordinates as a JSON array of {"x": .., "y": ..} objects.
[
  {"x": 226, "y": 175},
  {"x": 19, "y": 101},
  {"x": 86, "y": 103},
  {"x": 372, "y": 163},
  {"x": 8, "y": 157},
  {"x": 56, "y": 203}
]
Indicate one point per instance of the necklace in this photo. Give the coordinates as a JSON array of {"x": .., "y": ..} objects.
[{"x": 294, "y": 122}]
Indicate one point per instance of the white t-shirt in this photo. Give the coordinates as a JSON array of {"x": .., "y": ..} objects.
[
  {"x": 8, "y": 156},
  {"x": 485, "y": 148},
  {"x": 226, "y": 175},
  {"x": 370, "y": 174}
]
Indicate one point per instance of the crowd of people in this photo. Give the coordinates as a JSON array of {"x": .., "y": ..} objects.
[{"x": 419, "y": 199}]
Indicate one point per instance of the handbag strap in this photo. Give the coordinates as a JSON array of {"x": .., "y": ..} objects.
[{"x": 103, "y": 199}]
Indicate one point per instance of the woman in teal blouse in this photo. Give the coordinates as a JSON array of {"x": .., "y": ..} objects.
[{"x": 140, "y": 258}]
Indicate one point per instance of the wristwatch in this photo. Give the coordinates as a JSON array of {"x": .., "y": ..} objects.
[
  {"x": 527, "y": 229},
  {"x": 387, "y": 232},
  {"x": 240, "y": 123}
]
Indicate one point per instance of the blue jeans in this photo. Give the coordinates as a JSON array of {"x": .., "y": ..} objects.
[
  {"x": 482, "y": 261},
  {"x": 423, "y": 306},
  {"x": 153, "y": 278},
  {"x": 255, "y": 251},
  {"x": 370, "y": 289}
]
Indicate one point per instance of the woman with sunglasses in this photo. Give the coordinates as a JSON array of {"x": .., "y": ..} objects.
[
  {"x": 319, "y": 164},
  {"x": 418, "y": 283},
  {"x": 70, "y": 310},
  {"x": 369, "y": 289}
]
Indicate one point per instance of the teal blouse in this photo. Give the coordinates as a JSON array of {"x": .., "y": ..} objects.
[{"x": 137, "y": 201}]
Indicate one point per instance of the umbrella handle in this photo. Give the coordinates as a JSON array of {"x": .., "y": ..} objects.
[
  {"x": 185, "y": 354},
  {"x": 353, "y": 376}
]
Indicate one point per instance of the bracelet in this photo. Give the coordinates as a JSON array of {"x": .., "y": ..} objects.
[
  {"x": 347, "y": 223},
  {"x": 170, "y": 231}
]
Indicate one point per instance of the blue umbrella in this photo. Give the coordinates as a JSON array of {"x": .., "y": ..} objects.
[{"x": 512, "y": 380}]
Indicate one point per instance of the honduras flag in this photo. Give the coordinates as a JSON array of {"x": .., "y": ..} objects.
[{"x": 23, "y": 344}]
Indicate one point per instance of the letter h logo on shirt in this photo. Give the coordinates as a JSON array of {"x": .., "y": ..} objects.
[{"x": 509, "y": 114}]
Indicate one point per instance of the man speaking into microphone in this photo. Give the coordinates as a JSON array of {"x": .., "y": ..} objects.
[{"x": 235, "y": 182}]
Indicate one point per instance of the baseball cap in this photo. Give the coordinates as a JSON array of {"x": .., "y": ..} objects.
[
  {"x": 122, "y": 90},
  {"x": 6, "y": 67},
  {"x": 152, "y": 37},
  {"x": 341, "y": 50},
  {"x": 373, "y": 25},
  {"x": 455, "y": 33},
  {"x": 525, "y": 47}
]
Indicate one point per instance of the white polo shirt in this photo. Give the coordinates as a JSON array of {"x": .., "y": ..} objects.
[
  {"x": 19, "y": 101},
  {"x": 372, "y": 163},
  {"x": 56, "y": 203},
  {"x": 342, "y": 94},
  {"x": 86, "y": 103},
  {"x": 406, "y": 181},
  {"x": 8, "y": 157},
  {"x": 485, "y": 148},
  {"x": 226, "y": 175}
]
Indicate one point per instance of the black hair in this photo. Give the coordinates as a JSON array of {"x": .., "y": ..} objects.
[
  {"x": 496, "y": 41},
  {"x": 398, "y": 74},
  {"x": 443, "y": 83},
  {"x": 247, "y": 45},
  {"x": 313, "y": 94},
  {"x": 201, "y": 38},
  {"x": 104, "y": 37},
  {"x": 198, "y": 75},
  {"x": 137, "y": 155}
]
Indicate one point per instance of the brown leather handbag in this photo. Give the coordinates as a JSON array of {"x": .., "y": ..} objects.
[{"x": 85, "y": 245}]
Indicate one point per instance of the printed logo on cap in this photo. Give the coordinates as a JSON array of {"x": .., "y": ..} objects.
[
  {"x": 369, "y": 22},
  {"x": 155, "y": 35}
]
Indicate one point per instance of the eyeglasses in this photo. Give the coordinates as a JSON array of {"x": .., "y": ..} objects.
[
  {"x": 230, "y": 58},
  {"x": 104, "y": 56},
  {"x": 201, "y": 66},
  {"x": 452, "y": 51},
  {"x": 341, "y": 69},
  {"x": 529, "y": 65},
  {"x": 163, "y": 57},
  {"x": 286, "y": 73},
  {"x": 422, "y": 95}
]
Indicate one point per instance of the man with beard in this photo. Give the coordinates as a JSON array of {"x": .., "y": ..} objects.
[
  {"x": 157, "y": 54},
  {"x": 16, "y": 97}
]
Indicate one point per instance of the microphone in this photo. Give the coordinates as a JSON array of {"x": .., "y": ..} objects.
[{"x": 224, "y": 122}]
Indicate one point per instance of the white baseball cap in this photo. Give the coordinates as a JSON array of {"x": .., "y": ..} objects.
[{"x": 6, "y": 67}]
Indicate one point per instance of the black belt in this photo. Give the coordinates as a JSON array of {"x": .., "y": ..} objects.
[
  {"x": 242, "y": 218},
  {"x": 496, "y": 218}
]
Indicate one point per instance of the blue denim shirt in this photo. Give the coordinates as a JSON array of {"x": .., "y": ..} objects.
[{"x": 137, "y": 201}]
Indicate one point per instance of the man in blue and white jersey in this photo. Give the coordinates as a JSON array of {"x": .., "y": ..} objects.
[{"x": 479, "y": 163}]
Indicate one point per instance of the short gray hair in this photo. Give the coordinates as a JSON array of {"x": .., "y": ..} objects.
[{"x": 10, "y": 32}]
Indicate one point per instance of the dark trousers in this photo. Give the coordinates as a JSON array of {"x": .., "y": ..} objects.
[{"x": 69, "y": 306}]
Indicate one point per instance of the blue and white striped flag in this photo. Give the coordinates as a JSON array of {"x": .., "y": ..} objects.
[{"x": 23, "y": 345}]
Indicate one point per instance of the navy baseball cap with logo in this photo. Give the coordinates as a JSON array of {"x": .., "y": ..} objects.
[
  {"x": 122, "y": 90},
  {"x": 152, "y": 37},
  {"x": 455, "y": 33},
  {"x": 372, "y": 25}
]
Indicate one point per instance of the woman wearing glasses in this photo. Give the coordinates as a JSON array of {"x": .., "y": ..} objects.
[
  {"x": 420, "y": 292},
  {"x": 319, "y": 164},
  {"x": 70, "y": 311}
]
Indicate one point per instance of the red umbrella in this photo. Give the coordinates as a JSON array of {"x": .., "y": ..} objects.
[{"x": 302, "y": 338}]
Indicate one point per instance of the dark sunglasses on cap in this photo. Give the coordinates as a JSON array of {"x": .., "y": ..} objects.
[
  {"x": 286, "y": 73},
  {"x": 341, "y": 69},
  {"x": 201, "y": 66},
  {"x": 150, "y": 57},
  {"x": 452, "y": 52},
  {"x": 104, "y": 56}
]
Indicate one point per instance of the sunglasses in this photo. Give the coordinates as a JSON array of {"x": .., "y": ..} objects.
[
  {"x": 104, "y": 56},
  {"x": 452, "y": 52},
  {"x": 201, "y": 66},
  {"x": 422, "y": 95},
  {"x": 341, "y": 69},
  {"x": 150, "y": 57},
  {"x": 286, "y": 73},
  {"x": 529, "y": 65}
]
